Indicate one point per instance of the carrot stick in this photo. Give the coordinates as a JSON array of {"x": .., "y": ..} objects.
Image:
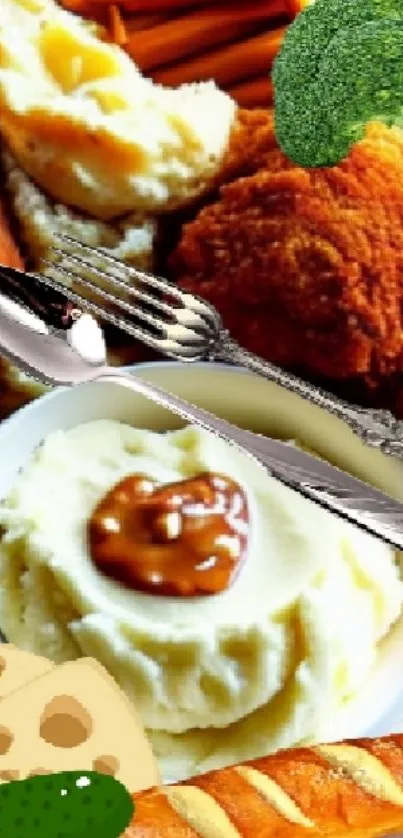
[
  {"x": 199, "y": 31},
  {"x": 296, "y": 6},
  {"x": 228, "y": 65},
  {"x": 160, "y": 6},
  {"x": 117, "y": 28},
  {"x": 257, "y": 92},
  {"x": 137, "y": 23},
  {"x": 164, "y": 6},
  {"x": 9, "y": 253}
]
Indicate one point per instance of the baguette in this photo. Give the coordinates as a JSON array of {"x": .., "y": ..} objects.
[{"x": 353, "y": 788}]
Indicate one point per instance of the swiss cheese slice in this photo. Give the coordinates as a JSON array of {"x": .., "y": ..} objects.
[
  {"x": 74, "y": 718},
  {"x": 18, "y": 668}
]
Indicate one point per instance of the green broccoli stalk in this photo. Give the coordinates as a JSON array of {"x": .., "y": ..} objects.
[{"x": 340, "y": 67}]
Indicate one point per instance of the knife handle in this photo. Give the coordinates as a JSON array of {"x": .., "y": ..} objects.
[
  {"x": 45, "y": 303},
  {"x": 376, "y": 428},
  {"x": 324, "y": 484}
]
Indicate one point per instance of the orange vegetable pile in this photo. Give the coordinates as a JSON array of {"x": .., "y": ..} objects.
[{"x": 178, "y": 41}]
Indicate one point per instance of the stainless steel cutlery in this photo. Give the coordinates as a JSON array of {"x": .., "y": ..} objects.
[{"x": 41, "y": 320}]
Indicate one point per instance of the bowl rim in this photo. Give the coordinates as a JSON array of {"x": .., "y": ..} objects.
[
  {"x": 389, "y": 717},
  {"x": 56, "y": 389}
]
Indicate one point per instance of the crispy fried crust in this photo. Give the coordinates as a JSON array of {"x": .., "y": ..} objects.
[
  {"x": 252, "y": 139},
  {"x": 306, "y": 266}
]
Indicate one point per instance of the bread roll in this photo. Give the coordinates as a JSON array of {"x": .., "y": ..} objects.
[{"x": 352, "y": 788}]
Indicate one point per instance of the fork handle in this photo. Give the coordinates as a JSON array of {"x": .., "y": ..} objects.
[{"x": 376, "y": 428}]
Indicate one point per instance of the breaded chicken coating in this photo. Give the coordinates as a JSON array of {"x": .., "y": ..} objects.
[{"x": 306, "y": 266}]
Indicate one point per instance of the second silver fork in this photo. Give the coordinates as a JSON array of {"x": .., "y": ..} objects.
[{"x": 184, "y": 327}]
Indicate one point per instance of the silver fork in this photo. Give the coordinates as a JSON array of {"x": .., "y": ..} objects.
[
  {"x": 38, "y": 332},
  {"x": 187, "y": 328}
]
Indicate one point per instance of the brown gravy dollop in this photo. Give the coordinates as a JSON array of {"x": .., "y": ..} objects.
[{"x": 182, "y": 539}]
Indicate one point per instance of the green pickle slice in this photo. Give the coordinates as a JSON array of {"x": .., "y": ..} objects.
[{"x": 69, "y": 804}]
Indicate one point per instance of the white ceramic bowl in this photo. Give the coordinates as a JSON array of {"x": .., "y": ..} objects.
[{"x": 253, "y": 403}]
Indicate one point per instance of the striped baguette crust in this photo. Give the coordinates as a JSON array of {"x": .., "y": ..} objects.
[{"x": 352, "y": 788}]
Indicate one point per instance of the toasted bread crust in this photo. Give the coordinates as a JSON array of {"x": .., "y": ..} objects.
[{"x": 353, "y": 788}]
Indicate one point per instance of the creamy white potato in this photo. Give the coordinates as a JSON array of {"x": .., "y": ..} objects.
[
  {"x": 82, "y": 121},
  {"x": 130, "y": 239},
  {"x": 216, "y": 678}
]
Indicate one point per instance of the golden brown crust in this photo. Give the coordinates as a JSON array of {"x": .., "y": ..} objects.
[
  {"x": 155, "y": 818},
  {"x": 251, "y": 141},
  {"x": 353, "y": 788},
  {"x": 306, "y": 266}
]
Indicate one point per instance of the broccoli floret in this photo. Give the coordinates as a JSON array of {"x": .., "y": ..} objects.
[{"x": 340, "y": 67}]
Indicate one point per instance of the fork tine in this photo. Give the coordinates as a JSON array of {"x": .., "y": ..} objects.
[
  {"x": 76, "y": 266},
  {"x": 180, "y": 351},
  {"x": 122, "y": 285},
  {"x": 88, "y": 254},
  {"x": 142, "y": 315},
  {"x": 158, "y": 283},
  {"x": 88, "y": 305}
]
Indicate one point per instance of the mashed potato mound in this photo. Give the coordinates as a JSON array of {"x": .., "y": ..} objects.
[
  {"x": 215, "y": 678},
  {"x": 83, "y": 122},
  {"x": 130, "y": 239}
]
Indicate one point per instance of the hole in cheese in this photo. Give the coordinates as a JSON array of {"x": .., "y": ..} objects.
[
  {"x": 6, "y": 740},
  {"x": 106, "y": 765},
  {"x": 65, "y": 723},
  {"x": 9, "y": 775}
]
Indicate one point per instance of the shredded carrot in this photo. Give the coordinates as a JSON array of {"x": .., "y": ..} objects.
[
  {"x": 256, "y": 92},
  {"x": 117, "y": 27},
  {"x": 228, "y": 65},
  {"x": 165, "y": 7},
  {"x": 85, "y": 7},
  {"x": 137, "y": 23},
  {"x": 200, "y": 31},
  {"x": 9, "y": 253}
]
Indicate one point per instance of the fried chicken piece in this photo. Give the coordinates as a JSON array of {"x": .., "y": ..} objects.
[
  {"x": 306, "y": 266},
  {"x": 252, "y": 139}
]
